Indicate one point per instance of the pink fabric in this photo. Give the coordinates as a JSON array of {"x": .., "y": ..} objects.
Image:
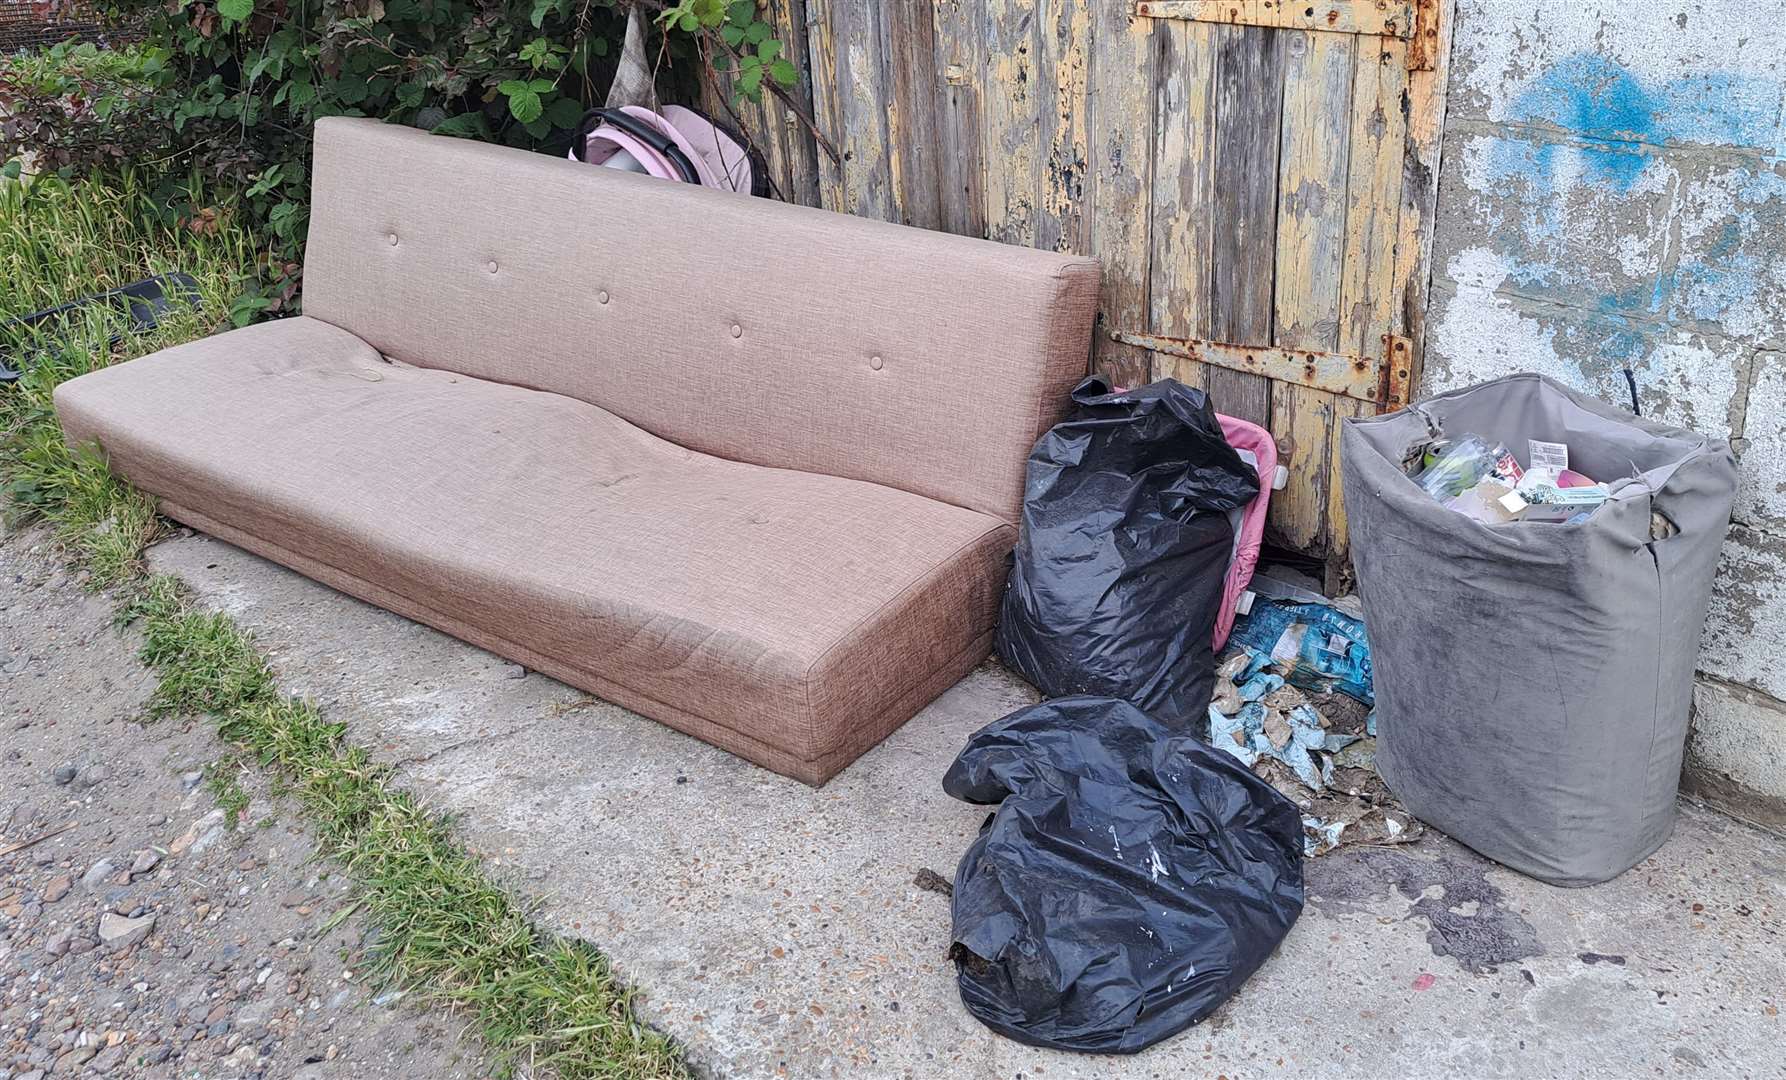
[{"x": 1244, "y": 435}]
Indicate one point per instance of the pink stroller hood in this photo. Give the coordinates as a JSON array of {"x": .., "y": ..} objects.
[
  {"x": 1255, "y": 445},
  {"x": 718, "y": 160},
  {"x": 713, "y": 149}
]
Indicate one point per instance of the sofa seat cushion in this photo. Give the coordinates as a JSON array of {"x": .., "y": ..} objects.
[{"x": 791, "y": 617}]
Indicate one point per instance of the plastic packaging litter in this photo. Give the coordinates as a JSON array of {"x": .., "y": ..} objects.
[
  {"x": 1486, "y": 483},
  {"x": 1130, "y": 881},
  {"x": 1461, "y": 465},
  {"x": 1121, "y": 564},
  {"x": 1319, "y": 647}
]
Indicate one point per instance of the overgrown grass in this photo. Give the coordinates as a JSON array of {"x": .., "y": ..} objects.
[
  {"x": 448, "y": 932},
  {"x": 59, "y": 242}
]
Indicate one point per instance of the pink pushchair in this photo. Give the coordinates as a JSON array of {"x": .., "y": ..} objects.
[
  {"x": 1256, "y": 447},
  {"x": 676, "y": 143}
]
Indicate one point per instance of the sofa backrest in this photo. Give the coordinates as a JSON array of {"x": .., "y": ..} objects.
[{"x": 740, "y": 327}]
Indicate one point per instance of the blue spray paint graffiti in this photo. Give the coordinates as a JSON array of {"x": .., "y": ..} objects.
[
  {"x": 1620, "y": 122},
  {"x": 1615, "y": 125}
]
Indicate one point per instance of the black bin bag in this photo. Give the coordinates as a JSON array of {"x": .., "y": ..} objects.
[
  {"x": 1125, "y": 544},
  {"x": 1131, "y": 879}
]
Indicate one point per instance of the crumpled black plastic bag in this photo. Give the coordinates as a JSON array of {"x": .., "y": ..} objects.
[
  {"x": 1125, "y": 545},
  {"x": 1132, "y": 878}
]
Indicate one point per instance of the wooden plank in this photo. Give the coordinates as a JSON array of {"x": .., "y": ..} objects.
[
  {"x": 910, "y": 103},
  {"x": 850, "y": 90},
  {"x": 1318, "y": 79},
  {"x": 1311, "y": 210},
  {"x": 794, "y": 160},
  {"x": 1011, "y": 122},
  {"x": 1034, "y": 119},
  {"x": 1420, "y": 193},
  {"x": 1120, "y": 88},
  {"x": 1367, "y": 291},
  {"x": 1379, "y": 18},
  {"x": 1357, "y": 377},
  {"x": 1374, "y": 180},
  {"x": 1064, "y": 223},
  {"x": 1183, "y": 186},
  {"x": 961, "y": 53},
  {"x": 828, "y": 102},
  {"x": 1248, "y": 114}
]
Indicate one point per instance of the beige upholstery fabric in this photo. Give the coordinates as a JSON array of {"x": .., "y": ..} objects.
[
  {"x": 794, "y": 618},
  {"x": 740, "y": 327}
]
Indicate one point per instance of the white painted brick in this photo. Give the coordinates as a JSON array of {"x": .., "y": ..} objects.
[
  {"x": 1729, "y": 273},
  {"x": 1762, "y": 498},
  {"x": 1685, "y": 71},
  {"x": 1745, "y": 631},
  {"x": 1475, "y": 334},
  {"x": 1740, "y": 736}
]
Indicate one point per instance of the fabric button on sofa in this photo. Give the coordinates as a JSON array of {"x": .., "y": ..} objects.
[{"x": 750, "y": 469}]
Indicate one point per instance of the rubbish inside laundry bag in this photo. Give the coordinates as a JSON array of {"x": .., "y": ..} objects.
[{"x": 1486, "y": 483}]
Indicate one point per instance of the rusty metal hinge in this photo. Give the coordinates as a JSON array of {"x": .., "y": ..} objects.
[
  {"x": 1384, "y": 381},
  {"x": 1380, "y": 18},
  {"x": 1423, "y": 43}
]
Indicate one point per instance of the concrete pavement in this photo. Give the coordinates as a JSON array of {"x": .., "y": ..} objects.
[{"x": 775, "y": 930}]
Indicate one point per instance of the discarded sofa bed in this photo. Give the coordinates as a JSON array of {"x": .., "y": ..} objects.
[{"x": 750, "y": 469}]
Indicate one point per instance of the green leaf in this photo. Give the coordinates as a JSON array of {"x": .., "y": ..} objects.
[
  {"x": 540, "y": 8},
  {"x": 243, "y": 311},
  {"x": 751, "y": 81},
  {"x": 542, "y": 86},
  {"x": 511, "y": 87},
  {"x": 722, "y": 62},
  {"x": 733, "y": 36},
  {"x": 756, "y": 32},
  {"x": 235, "y": 10},
  {"x": 471, "y": 125},
  {"x": 742, "y": 11},
  {"x": 689, "y": 23},
  {"x": 526, "y": 106},
  {"x": 768, "y": 49},
  {"x": 784, "y": 72},
  {"x": 12, "y": 169},
  {"x": 564, "y": 112}
]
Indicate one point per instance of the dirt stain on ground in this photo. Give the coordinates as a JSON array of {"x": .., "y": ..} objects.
[{"x": 1468, "y": 917}]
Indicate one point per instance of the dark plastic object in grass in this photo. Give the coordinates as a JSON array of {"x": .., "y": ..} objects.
[
  {"x": 1123, "y": 556},
  {"x": 1131, "y": 880},
  {"x": 145, "y": 302}
]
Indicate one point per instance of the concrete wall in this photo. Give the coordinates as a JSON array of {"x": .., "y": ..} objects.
[{"x": 1614, "y": 194}]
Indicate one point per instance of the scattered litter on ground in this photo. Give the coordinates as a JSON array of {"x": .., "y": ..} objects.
[
  {"x": 1293, "y": 702},
  {"x": 931, "y": 881}
]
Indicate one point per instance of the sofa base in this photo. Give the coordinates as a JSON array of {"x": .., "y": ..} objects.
[{"x": 814, "y": 772}]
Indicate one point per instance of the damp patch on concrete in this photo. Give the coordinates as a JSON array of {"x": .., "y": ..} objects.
[{"x": 1468, "y": 917}]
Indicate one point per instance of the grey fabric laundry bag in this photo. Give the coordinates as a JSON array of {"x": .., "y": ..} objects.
[{"x": 1533, "y": 680}]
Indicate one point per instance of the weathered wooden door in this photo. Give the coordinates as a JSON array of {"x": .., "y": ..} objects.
[{"x": 1257, "y": 177}]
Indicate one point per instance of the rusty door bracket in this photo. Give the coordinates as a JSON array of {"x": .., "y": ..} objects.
[
  {"x": 1381, "y": 18},
  {"x": 1382, "y": 381}
]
